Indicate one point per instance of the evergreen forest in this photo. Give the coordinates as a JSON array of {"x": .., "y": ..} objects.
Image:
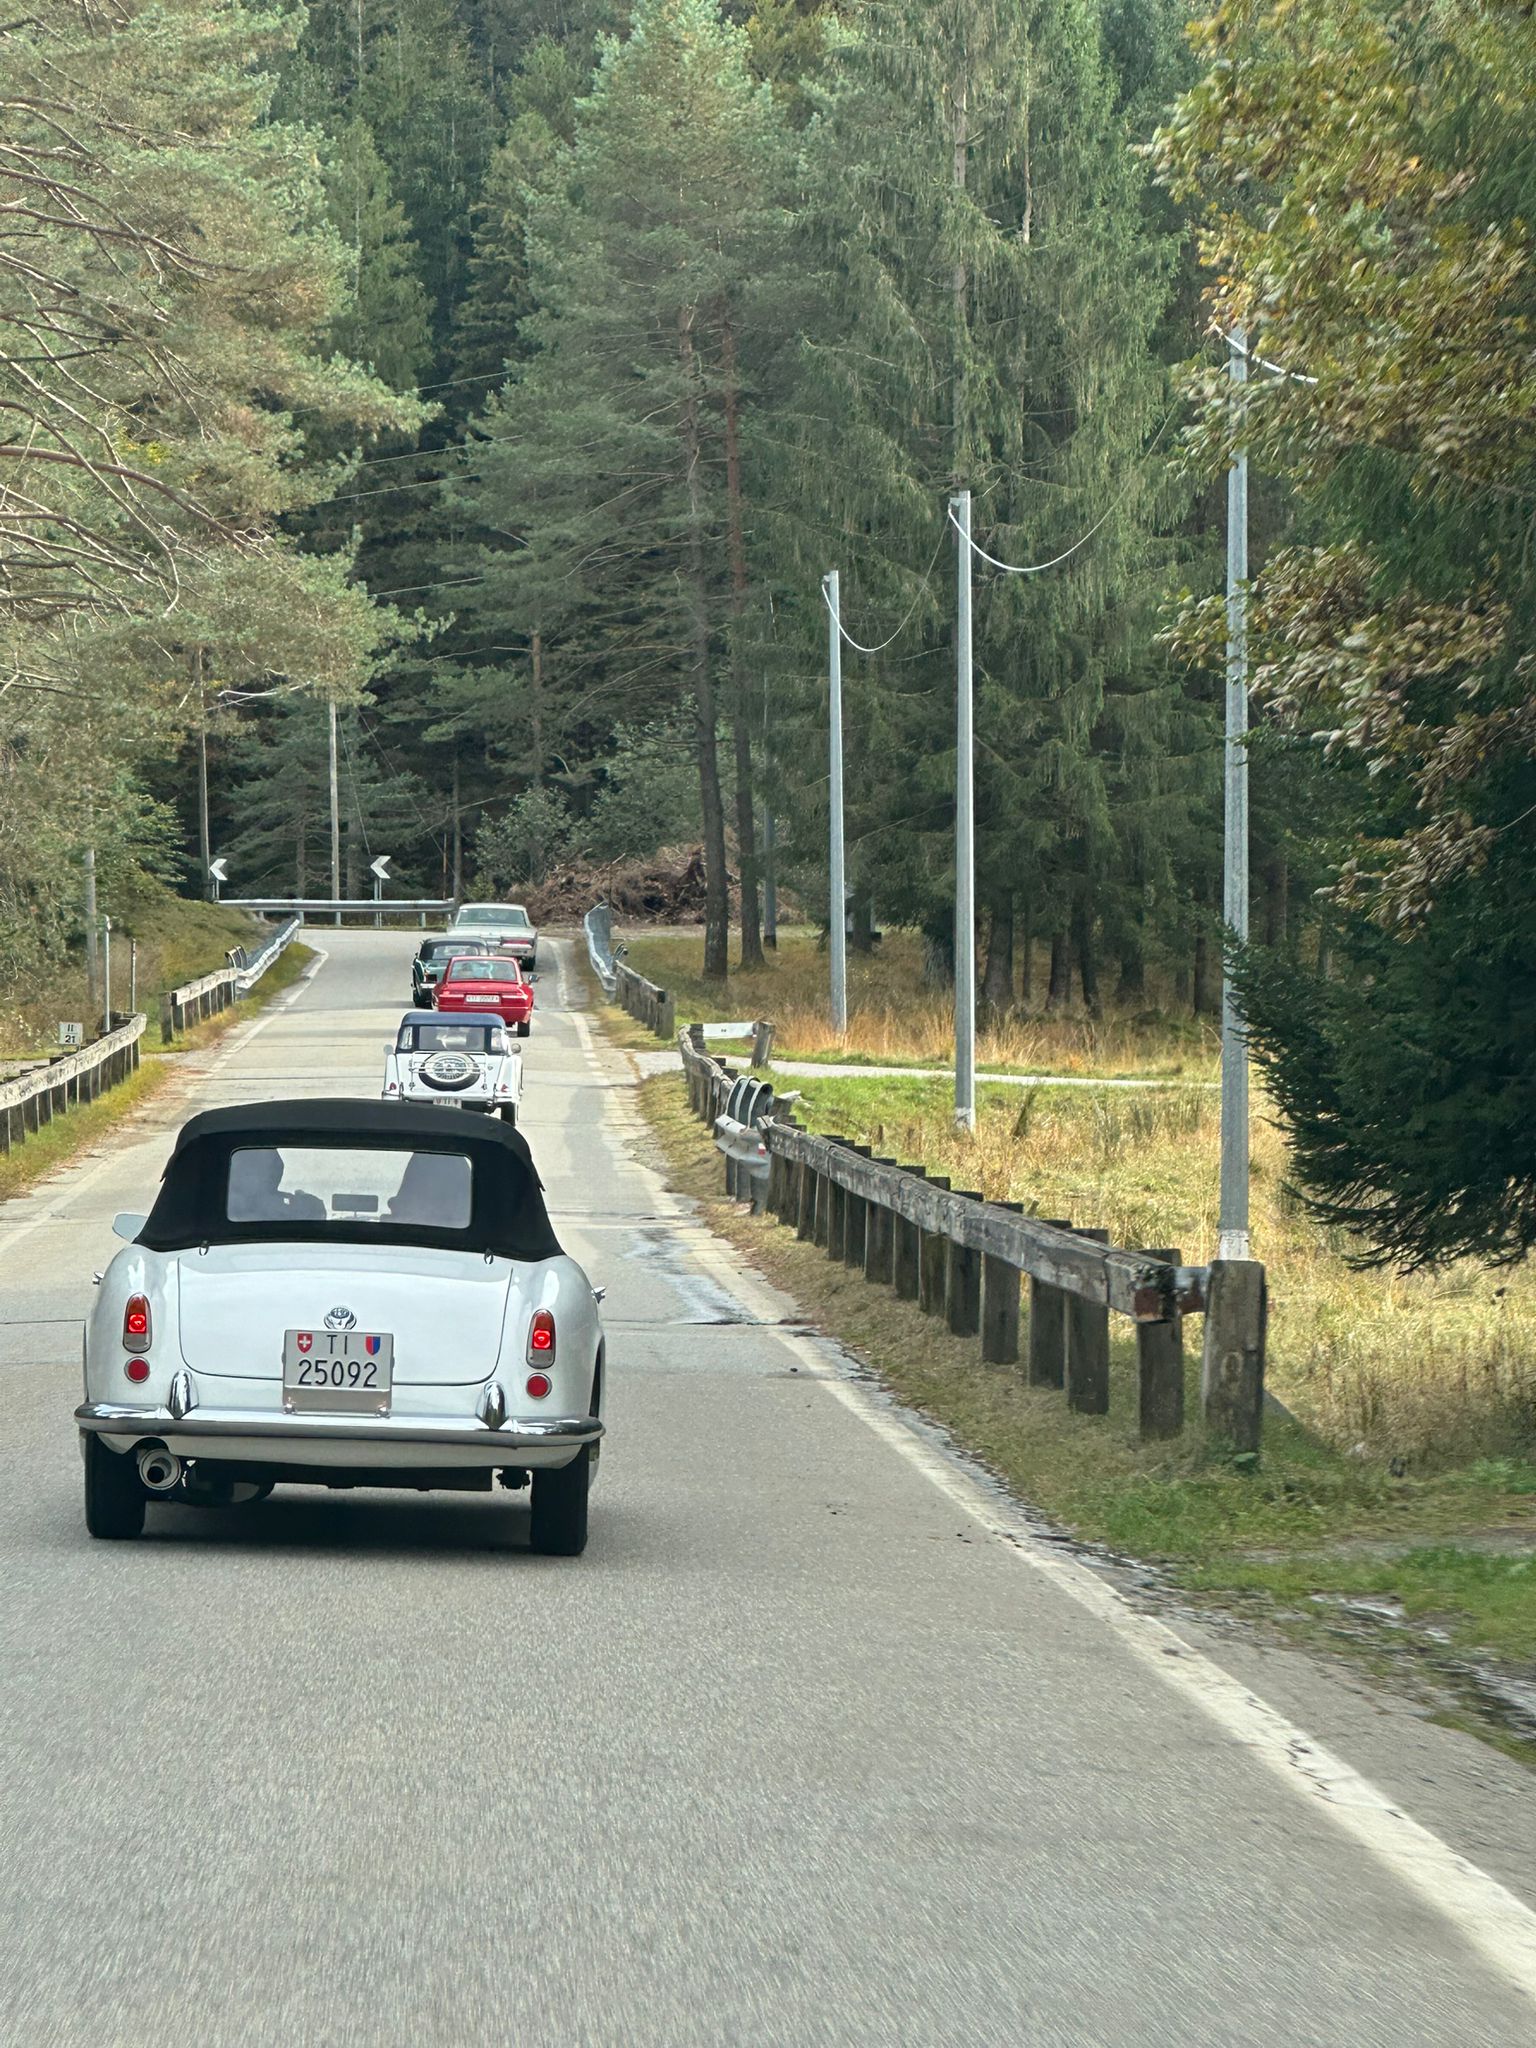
[{"x": 503, "y": 376}]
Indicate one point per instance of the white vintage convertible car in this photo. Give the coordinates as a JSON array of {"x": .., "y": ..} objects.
[
  {"x": 342, "y": 1293},
  {"x": 455, "y": 1062}
]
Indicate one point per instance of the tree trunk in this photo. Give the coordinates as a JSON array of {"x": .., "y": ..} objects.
[
  {"x": 717, "y": 902},
  {"x": 204, "y": 834},
  {"x": 770, "y": 885},
  {"x": 1059, "y": 993},
  {"x": 861, "y": 922},
  {"x": 746, "y": 824},
  {"x": 1277, "y": 890},
  {"x": 1132, "y": 984},
  {"x": 1207, "y": 971},
  {"x": 458, "y": 836},
  {"x": 997, "y": 982},
  {"x": 536, "y": 706},
  {"x": 1087, "y": 960},
  {"x": 1026, "y": 947},
  {"x": 939, "y": 955},
  {"x": 301, "y": 851}
]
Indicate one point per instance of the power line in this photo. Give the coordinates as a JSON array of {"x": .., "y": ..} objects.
[
  {"x": 880, "y": 646},
  {"x": 298, "y": 412},
  {"x": 1264, "y": 363},
  {"x": 1038, "y": 568}
]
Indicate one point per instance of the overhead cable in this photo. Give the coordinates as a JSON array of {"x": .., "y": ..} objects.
[
  {"x": 1038, "y": 568},
  {"x": 881, "y": 645}
]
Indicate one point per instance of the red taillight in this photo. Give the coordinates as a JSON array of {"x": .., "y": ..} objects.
[
  {"x": 539, "y": 1384},
  {"x": 541, "y": 1337},
  {"x": 136, "y": 1331},
  {"x": 137, "y": 1370}
]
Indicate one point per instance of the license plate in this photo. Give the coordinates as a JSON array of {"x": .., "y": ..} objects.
[
  {"x": 338, "y": 1369},
  {"x": 481, "y": 999}
]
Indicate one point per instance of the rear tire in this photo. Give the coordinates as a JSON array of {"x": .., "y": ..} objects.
[
  {"x": 420, "y": 1000},
  {"x": 114, "y": 1499},
  {"x": 560, "y": 1508},
  {"x": 507, "y": 1113},
  {"x": 523, "y": 1030}
]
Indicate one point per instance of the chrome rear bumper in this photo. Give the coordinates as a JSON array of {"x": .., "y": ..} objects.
[{"x": 394, "y": 1439}]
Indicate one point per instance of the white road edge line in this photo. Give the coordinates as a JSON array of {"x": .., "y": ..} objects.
[{"x": 1487, "y": 1914}]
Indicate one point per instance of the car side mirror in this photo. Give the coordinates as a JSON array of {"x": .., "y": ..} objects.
[{"x": 127, "y": 1225}]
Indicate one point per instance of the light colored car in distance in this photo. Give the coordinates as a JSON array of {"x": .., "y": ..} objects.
[
  {"x": 342, "y": 1293},
  {"x": 507, "y": 926},
  {"x": 456, "y": 1063}
]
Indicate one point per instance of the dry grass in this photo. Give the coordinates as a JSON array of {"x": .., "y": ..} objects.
[
  {"x": 895, "y": 1020},
  {"x": 1452, "y": 1544},
  {"x": 1424, "y": 1367}
]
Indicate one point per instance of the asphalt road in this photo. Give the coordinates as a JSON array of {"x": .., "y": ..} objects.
[{"x": 812, "y": 1746}]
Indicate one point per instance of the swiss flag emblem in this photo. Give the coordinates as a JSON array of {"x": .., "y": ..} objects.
[{"x": 305, "y": 1340}]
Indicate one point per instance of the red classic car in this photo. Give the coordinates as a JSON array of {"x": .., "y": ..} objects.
[{"x": 487, "y": 986}]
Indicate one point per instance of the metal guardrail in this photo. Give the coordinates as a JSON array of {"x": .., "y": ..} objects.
[
  {"x": 250, "y": 967},
  {"x": 965, "y": 1258},
  {"x": 34, "y": 1099},
  {"x": 598, "y": 926},
  {"x": 302, "y": 906}
]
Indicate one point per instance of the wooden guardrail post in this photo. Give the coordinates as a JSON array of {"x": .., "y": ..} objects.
[
  {"x": 1160, "y": 1366},
  {"x": 1048, "y": 1326},
  {"x": 837, "y": 1213},
  {"x": 805, "y": 1201},
  {"x": 856, "y": 1219},
  {"x": 906, "y": 1255},
  {"x": 1000, "y": 1292},
  {"x": 1088, "y": 1348},
  {"x": 962, "y": 1281},
  {"x": 932, "y": 1259},
  {"x": 879, "y": 1240},
  {"x": 1232, "y": 1365}
]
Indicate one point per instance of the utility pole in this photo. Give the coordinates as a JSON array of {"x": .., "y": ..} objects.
[
  {"x": 335, "y": 817},
  {"x": 965, "y": 834},
  {"x": 92, "y": 964},
  {"x": 838, "y": 932},
  {"x": 1232, "y": 1221},
  {"x": 106, "y": 975}
]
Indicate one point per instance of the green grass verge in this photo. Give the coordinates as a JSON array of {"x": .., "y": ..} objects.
[{"x": 1308, "y": 1521}]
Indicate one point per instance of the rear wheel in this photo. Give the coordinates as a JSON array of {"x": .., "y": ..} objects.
[
  {"x": 560, "y": 1508},
  {"x": 420, "y": 999},
  {"x": 114, "y": 1499},
  {"x": 507, "y": 1113},
  {"x": 523, "y": 1029}
]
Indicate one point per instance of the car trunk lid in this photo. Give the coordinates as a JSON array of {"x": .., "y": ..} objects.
[{"x": 443, "y": 1309}]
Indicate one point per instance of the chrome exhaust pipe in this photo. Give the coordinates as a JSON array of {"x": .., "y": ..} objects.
[{"x": 159, "y": 1469}]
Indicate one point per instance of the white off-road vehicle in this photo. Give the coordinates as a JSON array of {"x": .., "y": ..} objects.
[{"x": 456, "y": 1062}]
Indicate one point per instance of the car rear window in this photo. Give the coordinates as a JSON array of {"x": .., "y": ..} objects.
[
  {"x": 331, "y": 1184},
  {"x": 471, "y": 1036},
  {"x": 483, "y": 970}
]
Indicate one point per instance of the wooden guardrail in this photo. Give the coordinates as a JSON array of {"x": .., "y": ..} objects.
[
  {"x": 196, "y": 1000},
  {"x": 34, "y": 1099},
  {"x": 651, "y": 1005},
  {"x": 967, "y": 1259}
]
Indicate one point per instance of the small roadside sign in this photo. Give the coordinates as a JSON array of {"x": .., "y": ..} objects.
[
  {"x": 380, "y": 867},
  {"x": 217, "y": 871},
  {"x": 71, "y": 1034}
]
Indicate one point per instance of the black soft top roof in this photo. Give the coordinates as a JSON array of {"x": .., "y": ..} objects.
[{"x": 507, "y": 1215}]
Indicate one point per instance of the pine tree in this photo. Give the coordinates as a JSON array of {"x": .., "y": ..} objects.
[
  {"x": 608, "y": 454},
  {"x": 974, "y": 213}
]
